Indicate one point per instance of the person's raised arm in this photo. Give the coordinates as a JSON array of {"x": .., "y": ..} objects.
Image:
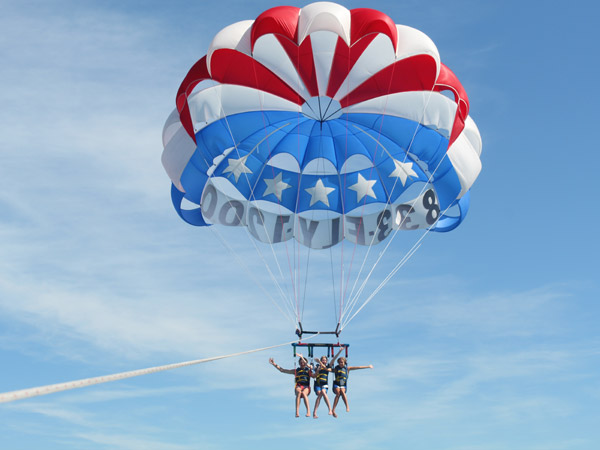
[
  {"x": 320, "y": 364},
  {"x": 281, "y": 369},
  {"x": 313, "y": 372},
  {"x": 308, "y": 364},
  {"x": 370, "y": 366},
  {"x": 303, "y": 358},
  {"x": 336, "y": 356}
]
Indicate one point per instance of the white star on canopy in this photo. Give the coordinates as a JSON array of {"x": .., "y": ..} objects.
[
  {"x": 319, "y": 193},
  {"x": 403, "y": 171},
  {"x": 363, "y": 187},
  {"x": 276, "y": 186},
  {"x": 237, "y": 167}
]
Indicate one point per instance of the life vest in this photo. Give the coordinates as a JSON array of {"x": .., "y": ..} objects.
[
  {"x": 341, "y": 375},
  {"x": 302, "y": 376},
  {"x": 322, "y": 377}
]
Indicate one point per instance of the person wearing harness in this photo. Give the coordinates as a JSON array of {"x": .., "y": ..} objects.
[
  {"x": 302, "y": 381},
  {"x": 340, "y": 382},
  {"x": 321, "y": 376}
]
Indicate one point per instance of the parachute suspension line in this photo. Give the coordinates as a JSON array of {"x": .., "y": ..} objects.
[
  {"x": 292, "y": 285},
  {"x": 252, "y": 194},
  {"x": 354, "y": 297},
  {"x": 398, "y": 266},
  {"x": 305, "y": 282},
  {"x": 354, "y": 300},
  {"x": 333, "y": 281},
  {"x": 347, "y": 282},
  {"x": 298, "y": 249},
  {"x": 341, "y": 271},
  {"x": 289, "y": 314},
  {"x": 367, "y": 253},
  {"x": 277, "y": 263},
  {"x": 240, "y": 260},
  {"x": 349, "y": 304},
  {"x": 287, "y": 297},
  {"x": 344, "y": 184},
  {"x": 52, "y": 388},
  {"x": 294, "y": 299},
  {"x": 246, "y": 229},
  {"x": 378, "y": 144},
  {"x": 296, "y": 243},
  {"x": 406, "y": 257},
  {"x": 389, "y": 243},
  {"x": 333, "y": 284},
  {"x": 296, "y": 261}
]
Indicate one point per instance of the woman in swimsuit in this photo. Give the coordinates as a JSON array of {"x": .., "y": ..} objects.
[
  {"x": 302, "y": 384},
  {"x": 340, "y": 382}
]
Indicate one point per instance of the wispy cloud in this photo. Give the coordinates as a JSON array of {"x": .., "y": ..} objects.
[{"x": 447, "y": 307}]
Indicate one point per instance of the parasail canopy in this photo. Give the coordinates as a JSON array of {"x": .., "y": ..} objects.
[{"x": 322, "y": 124}]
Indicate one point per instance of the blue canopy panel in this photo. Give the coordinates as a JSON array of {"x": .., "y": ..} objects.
[
  {"x": 320, "y": 145},
  {"x": 263, "y": 141},
  {"x": 347, "y": 142},
  {"x": 193, "y": 181},
  {"x": 232, "y": 130},
  {"x": 295, "y": 141},
  {"x": 191, "y": 216},
  {"x": 448, "y": 222},
  {"x": 423, "y": 144},
  {"x": 255, "y": 138}
]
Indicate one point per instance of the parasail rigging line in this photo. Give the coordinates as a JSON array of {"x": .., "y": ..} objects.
[
  {"x": 247, "y": 269},
  {"x": 363, "y": 285},
  {"x": 298, "y": 248},
  {"x": 343, "y": 308},
  {"x": 354, "y": 300},
  {"x": 398, "y": 266},
  {"x": 287, "y": 314},
  {"x": 293, "y": 267},
  {"x": 59, "y": 387},
  {"x": 254, "y": 278},
  {"x": 286, "y": 298},
  {"x": 305, "y": 282},
  {"x": 403, "y": 261},
  {"x": 342, "y": 289},
  {"x": 333, "y": 284},
  {"x": 289, "y": 299}
]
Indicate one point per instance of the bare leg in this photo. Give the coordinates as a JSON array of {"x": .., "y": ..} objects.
[
  {"x": 317, "y": 401},
  {"x": 335, "y": 401},
  {"x": 298, "y": 393},
  {"x": 305, "y": 397},
  {"x": 345, "y": 399},
  {"x": 324, "y": 394}
]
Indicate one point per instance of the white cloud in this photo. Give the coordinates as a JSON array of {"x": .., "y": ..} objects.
[
  {"x": 128, "y": 327},
  {"x": 448, "y": 308}
]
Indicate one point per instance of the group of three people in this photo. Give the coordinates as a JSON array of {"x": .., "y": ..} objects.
[{"x": 321, "y": 375}]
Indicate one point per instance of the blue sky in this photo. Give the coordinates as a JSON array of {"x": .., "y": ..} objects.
[{"x": 486, "y": 339}]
